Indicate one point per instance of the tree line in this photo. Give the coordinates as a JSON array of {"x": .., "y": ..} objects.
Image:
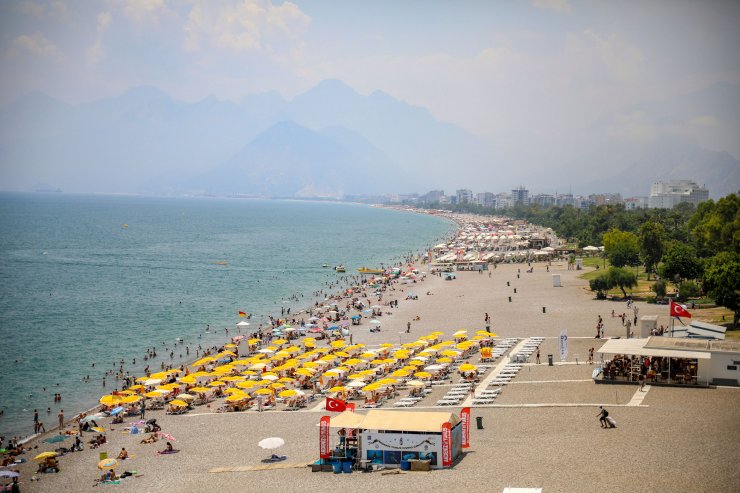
[{"x": 695, "y": 249}]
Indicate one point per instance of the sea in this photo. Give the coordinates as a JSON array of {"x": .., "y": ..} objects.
[{"x": 90, "y": 281}]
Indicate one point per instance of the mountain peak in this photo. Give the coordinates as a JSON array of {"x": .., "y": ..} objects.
[{"x": 330, "y": 88}]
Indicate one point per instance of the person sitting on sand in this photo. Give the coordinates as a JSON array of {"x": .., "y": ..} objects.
[
  {"x": 150, "y": 439},
  {"x": 108, "y": 476},
  {"x": 168, "y": 449},
  {"x": 123, "y": 455}
]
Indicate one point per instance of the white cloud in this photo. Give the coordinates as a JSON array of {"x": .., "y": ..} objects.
[
  {"x": 245, "y": 26},
  {"x": 556, "y": 5},
  {"x": 142, "y": 11},
  {"x": 97, "y": 52},
  {"x": 36, "y": 44}
]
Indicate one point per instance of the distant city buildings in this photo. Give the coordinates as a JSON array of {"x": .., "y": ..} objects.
[
  {"x": 662, "y": 195},
  {"x": 520, "y": 195},
  {"x": 667, "y": 194}
]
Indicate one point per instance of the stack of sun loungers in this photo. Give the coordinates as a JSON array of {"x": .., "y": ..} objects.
[
  {"x": 407, "y": 402},
  {"x": 455, "y": 395},
  {"x": 486, "y": 396},
  {"x": 529, "y": 347}
]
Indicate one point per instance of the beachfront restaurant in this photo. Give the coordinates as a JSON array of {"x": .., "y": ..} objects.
[
  {"x": 670, "y": 361},
  {"x": 391, "y": 439}
]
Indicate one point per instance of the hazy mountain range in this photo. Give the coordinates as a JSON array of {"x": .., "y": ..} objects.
[{"x": 331, "y": 141}]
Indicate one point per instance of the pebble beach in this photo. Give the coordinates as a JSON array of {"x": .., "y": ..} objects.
[{"x": 542, "y": 431}]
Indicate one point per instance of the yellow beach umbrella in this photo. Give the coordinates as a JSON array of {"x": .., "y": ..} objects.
[
  {"x": 357, "y": 376},
  {"x": 422, "y": 374},
  {"x": 230, "y": 345},
  {"x": 353, "y": 362},
  {"x": 153, "y": 395},
  {"x": 266, "y": 391},
  {"x": 247, "y": 385},
  {"x": 248, "y": 373},
  {"x": 109, "y": 399},
  {"x": 216, "y": 383},
  {"x": 233, "y": 390},
  {"x": 237, "y": 397},
  {"x": 386, "y": 344},
  {"x": 178, "y": 403},
  {"x": 416, "y": 362},
  {"x": 45, "y": 455},
  {"x": 199, "y": 389},
  {"x": 400, "y": 373},
  {"x": 136, "y": 387},
  {"x": 444, "y": 360},
  {"x": 372, "y": 387},
  {"x": 338, "y": 344},
  {"x": 203, "y": 361},
  {"x": 367, "y": 372},
  {"x": 338, "y": 388},
  {"x": 305, "y": 372},
  {"x": 468, "y": 367},
  {"x": 276, "y": 386},
  {"x": 187, "y": 380},
  {"x": 131, "y": 399},
  {"x": 288, "y": 393},
  {"x": 450, "y": 353}
]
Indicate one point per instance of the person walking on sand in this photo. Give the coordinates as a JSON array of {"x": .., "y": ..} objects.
[
  {"x": 61, "y": 419},
  {"x": 591, "y": 356},
  {"x": 142, "y": 409},
  {"x": 603, "y": 414},
  {"x": 537, "y": 356}
]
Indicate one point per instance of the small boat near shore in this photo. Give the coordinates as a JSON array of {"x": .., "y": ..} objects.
[
  {"x": 368, "y": 271},
  {"x": 340, "y": 268}
]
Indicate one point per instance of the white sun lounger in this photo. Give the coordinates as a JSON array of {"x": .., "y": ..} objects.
[{"x": 403, "y": 404}]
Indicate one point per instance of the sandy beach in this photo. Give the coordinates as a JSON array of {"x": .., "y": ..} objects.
[{"x": 542, "y": 431}]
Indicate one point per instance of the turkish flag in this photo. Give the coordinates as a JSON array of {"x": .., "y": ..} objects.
[
  {"x": 350, "y": 406},
  {"x": 679, "y": 311},
  {"x": 335, "y": 405}
]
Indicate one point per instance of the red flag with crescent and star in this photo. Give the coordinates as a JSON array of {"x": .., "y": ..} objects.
[
  {"x": 679, "y": 311},
  {"x": 335, "y": 405}
]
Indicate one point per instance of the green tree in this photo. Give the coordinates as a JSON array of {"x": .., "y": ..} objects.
[
  {"x": 722, "y": 281},
  {"x": 660, "y": 288},
  {"x": 601, "y": 284},
  {"x": 680, "y": 263},
  {"x": 622, "y": 248},
  {"x": 652, "y": 245},
  {"x": 716, "y": 226},
  {"x": 621, "y": 278}
]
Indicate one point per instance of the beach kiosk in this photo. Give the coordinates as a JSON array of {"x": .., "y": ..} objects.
[{"x": 396, "y": 438}]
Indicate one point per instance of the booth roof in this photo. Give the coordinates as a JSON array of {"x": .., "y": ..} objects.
[
  {"x": 346, "y": 419},
  {"x": 636, "y": 347},
  {"x": 394, "y": 420}
]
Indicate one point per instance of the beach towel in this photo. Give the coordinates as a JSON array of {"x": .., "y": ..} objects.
[
  {"x": 275, "y": 458},
  {"x": 166, "y": 452}
]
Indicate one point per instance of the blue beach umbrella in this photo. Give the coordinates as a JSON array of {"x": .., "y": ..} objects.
[
  {"x": 117, "y": 410},
  {"x": 355, "y": 317}
]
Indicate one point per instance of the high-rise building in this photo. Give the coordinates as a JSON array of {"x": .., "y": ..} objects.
[
  {"x": 520, "y": 195},
  {"x": 432, "y": 196},
  {"x": 464, "y": 196},
  {"x": 666, "y": 194},
  {"x": 486, "y": 199}
]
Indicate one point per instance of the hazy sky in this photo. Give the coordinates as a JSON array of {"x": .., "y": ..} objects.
[{"x": 502, "y": 70}]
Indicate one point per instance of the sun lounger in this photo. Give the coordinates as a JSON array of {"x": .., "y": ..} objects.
[
  {"x": 403, "y": 404},
  {"x": 483, "y": 401},
  {"x": 447, "y": 402}
]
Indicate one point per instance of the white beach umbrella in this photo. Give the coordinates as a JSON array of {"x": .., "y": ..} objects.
[{"x": 271, "y": 443}]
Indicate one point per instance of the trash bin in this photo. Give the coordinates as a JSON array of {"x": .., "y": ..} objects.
[
  {"x": 347, "y": 466},
  {"x": 337, "y": 467},
  {"x": 405, "y": 465},
  {"x": 549, "y": 359},
  {"x": 479, "y": 422}
]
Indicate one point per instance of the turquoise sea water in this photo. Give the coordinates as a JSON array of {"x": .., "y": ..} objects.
[{"x": 77, "y": 286}]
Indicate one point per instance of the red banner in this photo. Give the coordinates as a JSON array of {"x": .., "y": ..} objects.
[
  {"x": 324, "y": 447},
  {"x": 335, "y": 405},
  {"x": 446, "y": 445},
  {"x": 679, "y": 311},
  {"x": 465, "y": 418},
  {"x": 350, "y": 406}
]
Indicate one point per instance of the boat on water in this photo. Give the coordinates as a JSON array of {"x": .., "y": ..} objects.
[
  {"x": 340, "y": 268},
  {"x": 325, "y": 266},
  {"x": 366, "y": 270}
]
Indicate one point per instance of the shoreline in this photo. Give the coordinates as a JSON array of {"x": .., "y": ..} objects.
[{"x": 345, "y": 280}]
